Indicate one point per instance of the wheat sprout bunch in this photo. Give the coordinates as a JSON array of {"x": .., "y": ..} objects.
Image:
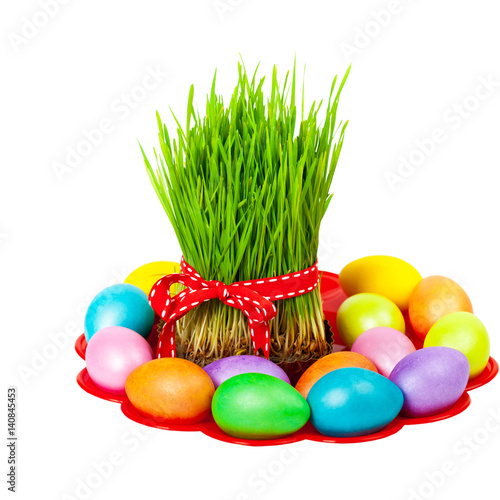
[{"x": 245, "y": 188}]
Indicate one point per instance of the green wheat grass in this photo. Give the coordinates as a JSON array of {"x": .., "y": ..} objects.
[{"x": 245, "y": 188}]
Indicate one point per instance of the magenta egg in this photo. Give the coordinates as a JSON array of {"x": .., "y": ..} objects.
[
  {"x": 385, "y": 347},
  {"x": 225, "y": 368},
  {"x": 112, "y": 354}
]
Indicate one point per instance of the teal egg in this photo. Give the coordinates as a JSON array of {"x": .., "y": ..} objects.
[
  {"x": 352, "y": 402},
  {"x": 258, "y": 406},
  {"x": 119, "y": 305}
]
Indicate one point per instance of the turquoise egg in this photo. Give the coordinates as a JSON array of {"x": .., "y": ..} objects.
[
  {"x": 352, "y": 402},
  {"x": 119, "y": 305}
]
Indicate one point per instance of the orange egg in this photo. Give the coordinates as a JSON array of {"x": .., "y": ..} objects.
[
  {"x": 343, "y": 359},
  {"x": 433, "y": 298},
  {"x": 170, "y": 391}
]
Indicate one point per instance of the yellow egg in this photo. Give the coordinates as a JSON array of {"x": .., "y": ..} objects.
[
  {"x": 390, "y": 277},
  {"x": 146, "y": 276}
]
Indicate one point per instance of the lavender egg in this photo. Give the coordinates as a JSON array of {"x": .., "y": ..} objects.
[
  {"x": 225, "y": 368},
  {"x": 432, "y": 380}
]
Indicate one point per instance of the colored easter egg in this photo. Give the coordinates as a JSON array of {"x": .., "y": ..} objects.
[
  {"x": 364, "y": 311},
  {"x": 326, "y": 364},
  {"x": 466, "y": 333},
  {"x": 390, "y": 277},
  {"x": 170, "y": 391},
  {"x": 352, "y": 402},
  {"x": 112, "y": 354},
  {"x": 386, "y": 347},
  {"x": 258, "y": 406},
  {"x": 432, "y": 380},
  {"x": 224, "y": 368},
  {"x": 119, "y": 305},
  {"x": 146, "y": 276},
  {"x": 433, "y": 298}
]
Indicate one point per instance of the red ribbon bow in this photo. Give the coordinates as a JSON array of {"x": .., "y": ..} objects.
[{"x": 253, "y": 297}]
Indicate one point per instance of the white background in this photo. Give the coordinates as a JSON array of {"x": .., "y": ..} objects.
[{"x": 64, "y": 238}]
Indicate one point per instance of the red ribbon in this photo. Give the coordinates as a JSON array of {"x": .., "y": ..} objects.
[{"x": 253, "y": 297}]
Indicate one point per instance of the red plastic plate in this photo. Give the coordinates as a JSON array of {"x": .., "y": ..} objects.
[{"x": 332, "y": 296}]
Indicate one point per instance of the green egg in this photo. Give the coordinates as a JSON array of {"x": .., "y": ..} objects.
[
  {"x": 466, "y": 333},
  {"x": 258, "y": 406},
  {"x": 364, "y": 311}
]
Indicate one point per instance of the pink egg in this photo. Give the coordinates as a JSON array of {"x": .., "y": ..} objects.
[
  {"x": 384, "y": 346},
  {"x": 112, "y": 354}
]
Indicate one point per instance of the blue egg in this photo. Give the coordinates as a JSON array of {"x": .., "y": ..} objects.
[
  {"x": 353, "y": 402},
  {"x": 120, "y": 305}
]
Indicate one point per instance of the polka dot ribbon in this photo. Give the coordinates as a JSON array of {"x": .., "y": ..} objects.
[{"x": 254, "y": 298}]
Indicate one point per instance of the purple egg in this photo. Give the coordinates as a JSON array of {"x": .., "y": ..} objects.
[
  {"x": 432, "y": 380},
  {"x": 225, "y": 368}
]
